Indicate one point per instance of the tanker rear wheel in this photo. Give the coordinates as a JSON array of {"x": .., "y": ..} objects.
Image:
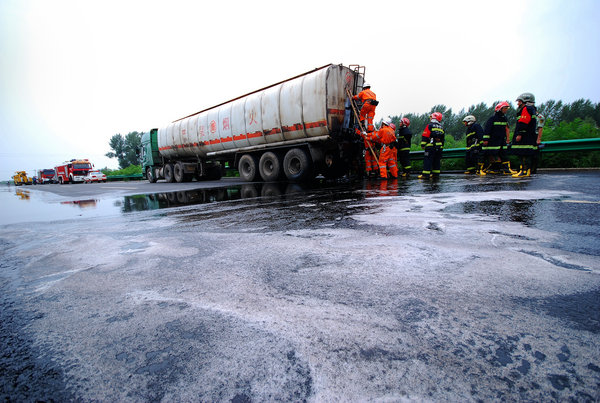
[
  {"x": 248, "y": 167},
  {"x": 269, "y": 167},
  {"x": 169, "y": 174},
  {"x": 296, "y": 165},
  {"x": 178, "y": 173}
]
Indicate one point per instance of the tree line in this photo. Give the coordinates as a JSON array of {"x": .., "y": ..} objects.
[{"x": 126, "y": 149}]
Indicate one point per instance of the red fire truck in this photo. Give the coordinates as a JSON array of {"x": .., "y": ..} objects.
[
  {"x": 45, "y": 176},
  {"x": 72, "y": 171}
]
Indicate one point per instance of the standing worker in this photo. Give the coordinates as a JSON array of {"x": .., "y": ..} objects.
[
  {"x": 541, "y": 120},
  {"x": 474, "y": 138},
  {"x": 404, "y": 138},
  {"x": 367, "y": 111},
  {"x": 432, "y": 141},
  {"x": 495, "y": 137},
  {"x": 524, "y": 142},
  {"x": 387, "y": 155}
]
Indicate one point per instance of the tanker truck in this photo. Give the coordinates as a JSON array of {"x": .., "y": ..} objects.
[{"x": 295, "y": 129}]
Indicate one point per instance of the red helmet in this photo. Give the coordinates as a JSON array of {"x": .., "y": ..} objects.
[
  {"x": 501, "y": 105},
  {"x": 393, "y": 126},
  {"x": 437, "y": 116},
  {"x": 405, "y": 122}
]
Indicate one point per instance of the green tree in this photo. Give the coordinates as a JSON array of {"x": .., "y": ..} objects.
[{"x": 126, "y": 149}]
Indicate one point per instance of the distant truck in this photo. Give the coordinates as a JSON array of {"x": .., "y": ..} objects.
[
  {"x": 45, "y": 176},
  {"x": 73, "y": 171},
  {"x": 21, "y": 178},
  {"x": 293, "y": 129}
]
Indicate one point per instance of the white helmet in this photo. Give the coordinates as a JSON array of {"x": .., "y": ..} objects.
[
  {"x": 366, "y": 85},
  {"x": 386, "y": 122},
  {"x": 469, "y": 119}
]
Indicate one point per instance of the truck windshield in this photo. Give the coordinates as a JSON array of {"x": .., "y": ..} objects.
[
  {"x": 81, "y": 166},
  {"x": 48, "y": 172}
]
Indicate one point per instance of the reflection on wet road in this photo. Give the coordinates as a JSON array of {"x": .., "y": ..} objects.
[{"x": 463, "y": 289}]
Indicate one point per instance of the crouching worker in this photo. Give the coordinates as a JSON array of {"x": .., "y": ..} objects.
[
  {"x": 432, "y": 141},
  {"x": 386, "y": 136}
]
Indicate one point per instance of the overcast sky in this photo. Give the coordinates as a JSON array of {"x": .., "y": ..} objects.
[{"x": 75, "y": 72}]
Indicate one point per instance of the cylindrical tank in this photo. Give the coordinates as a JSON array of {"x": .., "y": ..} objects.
[{"x": 310, "y": 105}]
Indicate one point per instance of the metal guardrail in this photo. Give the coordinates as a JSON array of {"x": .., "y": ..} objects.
[
  {"x": 548, "y": 147},
  {"x": 592, "y": 144}
]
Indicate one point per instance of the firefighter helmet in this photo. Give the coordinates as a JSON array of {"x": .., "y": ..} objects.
[
  {"x": 386, "y": 122},
  {"x": 526, "y": 97},
  {"x": 501, "y": 105},
  {"x": 393, "y": 126},
  {"x": 469, "y": 119},
  {"x": 405, "y": 121},
  {"x": 437, "y": 116},
  {"x": 365, "y": 85}
]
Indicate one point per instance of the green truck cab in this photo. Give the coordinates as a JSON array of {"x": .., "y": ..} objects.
[{"x": 151, "y": 158}]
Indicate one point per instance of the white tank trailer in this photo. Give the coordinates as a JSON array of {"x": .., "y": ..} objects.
[{"x": 294, "y": 129}]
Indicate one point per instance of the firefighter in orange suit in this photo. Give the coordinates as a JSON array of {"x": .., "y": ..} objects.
[
  {"x": 386, "y": 136},
  {"x": 371, "y": 167},
  {"x": 369, "y": 102}
]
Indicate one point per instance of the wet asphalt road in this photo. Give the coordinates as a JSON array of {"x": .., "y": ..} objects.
[{"x": 464, "y": 289}]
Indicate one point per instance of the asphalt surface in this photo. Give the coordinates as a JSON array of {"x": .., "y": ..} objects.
[{"x": 463, "y": 289}]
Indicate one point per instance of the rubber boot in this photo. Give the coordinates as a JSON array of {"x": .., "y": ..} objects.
[
  {"x": 424, "y": 176},
  {"x": 506, "y": 170},
  {"x": 522, "y": 173},
  {"x": 518, "y": 172},
  {"x": 481, "y": 171}
]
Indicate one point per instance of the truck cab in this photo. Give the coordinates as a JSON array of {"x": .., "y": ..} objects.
[{"x": 150, "y": 155}]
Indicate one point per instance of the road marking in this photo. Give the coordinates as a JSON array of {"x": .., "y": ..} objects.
[
  {"x": 117, "y": 187},
  {"x": 581, "y": 201}
]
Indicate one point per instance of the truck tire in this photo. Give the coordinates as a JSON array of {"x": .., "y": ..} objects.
[
  {"x": 149, "y": 175},
  {"x": 178, "y": 173},
  {"x": 269, "y": 167},
  {"x": 248, "y": 167},
  {"x": 297, "y": 165},
  {"x": 169, "y": 175}
]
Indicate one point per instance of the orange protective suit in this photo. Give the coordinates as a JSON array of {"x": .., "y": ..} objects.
[
  {"x": 370, "y": 161},
  {"x": 367, "y": 111},
  {"x": 387, "y": 155}
]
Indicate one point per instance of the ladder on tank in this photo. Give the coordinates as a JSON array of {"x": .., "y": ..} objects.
[
  {"x": 354, "y": 121},
  {"x": 350, "y": 121}
]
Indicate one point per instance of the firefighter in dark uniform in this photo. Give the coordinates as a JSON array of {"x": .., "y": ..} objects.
[
  {"x": 495, "y": 138},
  {"x": 524, "y": 142},
  {"x": 432, "y": 141},
  {"x": 404, "y": 137},
  {"x": 474, "y": 137}
]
